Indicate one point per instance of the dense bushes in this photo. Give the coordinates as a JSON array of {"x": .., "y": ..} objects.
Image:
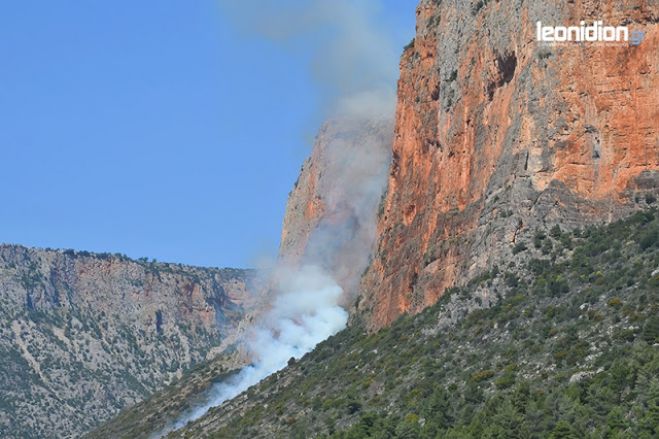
[
  {"x": 567, "y": 351},
  {"x": 614, "y": 394}
]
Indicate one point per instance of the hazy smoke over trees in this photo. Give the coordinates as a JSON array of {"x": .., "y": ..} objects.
[{"x": 355, "y": 66}]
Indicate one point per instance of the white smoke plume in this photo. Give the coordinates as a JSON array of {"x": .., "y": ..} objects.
[
  {"x": 352, "y": 159},
  {"x": 299, "y": 319},
  {"x": 355, "y": 66}
]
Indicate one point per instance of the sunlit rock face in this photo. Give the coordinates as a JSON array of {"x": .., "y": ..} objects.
[
  {"x": 331, "y": 212},
  {"x": 497, "y": 135}
]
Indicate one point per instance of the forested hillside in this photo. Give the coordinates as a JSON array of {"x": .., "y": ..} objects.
[{"x": 560, "y": 341}]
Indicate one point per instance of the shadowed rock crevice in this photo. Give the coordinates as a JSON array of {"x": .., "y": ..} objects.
[{"x": 506, "y": 65}]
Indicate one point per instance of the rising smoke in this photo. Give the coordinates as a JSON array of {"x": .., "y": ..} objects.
[
  {"x": 355, "y": 68},
  {"x": 299, "y": 319},
  {"x": 352, "y": 57}
]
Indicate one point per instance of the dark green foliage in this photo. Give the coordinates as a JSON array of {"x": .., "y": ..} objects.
[
  {"x": 519, "y": 247},
  {"x": 503, "y": 371},
  {"x": 651, "y": 330},
  {"x": 538, "y": 238},
  {"x": 555, "y": 232},
  {"x": 565, "y": 352},
  {"x": 547, "y": 247},
  {"x": 477, "y": 6},
  {"x": 649, "y": 238}
]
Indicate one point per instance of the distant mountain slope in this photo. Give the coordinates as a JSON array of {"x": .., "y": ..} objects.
[
  {"x": 83, "y": 335},
  {"x": 559, "y": 340}
]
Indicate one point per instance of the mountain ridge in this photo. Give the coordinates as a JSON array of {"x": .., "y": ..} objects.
[{"x": 86, "y": 334}]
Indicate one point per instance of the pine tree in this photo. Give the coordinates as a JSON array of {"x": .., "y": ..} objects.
[{"x": 563, "y": 430}]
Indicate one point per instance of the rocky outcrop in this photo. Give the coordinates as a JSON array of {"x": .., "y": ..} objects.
[
  {"x": 497, "y": 135},
  {"x": 331, "y": 211},
  {"x": 84, "y": 335}
]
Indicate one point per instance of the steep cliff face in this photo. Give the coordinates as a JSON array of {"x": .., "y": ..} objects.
[
  {"x": 497, "y": 135},
  {"x": 83, "y": 335},
  {"x": 331, "y": 211}
]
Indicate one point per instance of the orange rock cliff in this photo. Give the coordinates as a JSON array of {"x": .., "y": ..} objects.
[
  {"x": 497, "y": 135},
  {"x": 331, "y": 211}
]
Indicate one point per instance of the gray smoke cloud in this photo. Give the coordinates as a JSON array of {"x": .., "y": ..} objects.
[
  {"x": 355, "y": 66},
  {"x": 354, "y": 155},
  {"x": 300, "y": 318},
  {"x": 305, "y": 313},
  {"x": 352, "y": 57}
]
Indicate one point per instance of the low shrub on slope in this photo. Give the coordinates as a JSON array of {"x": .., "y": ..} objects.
[{"x": 562, "y": 341}]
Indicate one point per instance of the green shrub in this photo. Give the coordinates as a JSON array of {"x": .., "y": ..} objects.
[
  {"x": 482, "y": 375},
  {"x": 538, "y": 238},
  {"x": 519, "y": 247},
  {"x": 649, "y": 238}
]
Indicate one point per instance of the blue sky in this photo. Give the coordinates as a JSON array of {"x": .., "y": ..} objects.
[{"x": 153, "y": 128}]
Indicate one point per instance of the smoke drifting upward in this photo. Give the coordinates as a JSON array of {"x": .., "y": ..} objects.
[
  {"x": 299, "y": 319},
  {"x": 348, "y": 172},
  {"x": 303, "y": 315},
  {"x": 322, "y": 259},
  {"x": 352, "y": 57},
  {"x": 355, "y": 65}
]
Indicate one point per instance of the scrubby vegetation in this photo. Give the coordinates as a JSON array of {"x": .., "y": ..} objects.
[
  {"x": 78, "y": 342},
  {"x": 182, "y": 395},
  {"x": 568, "y": 348}
]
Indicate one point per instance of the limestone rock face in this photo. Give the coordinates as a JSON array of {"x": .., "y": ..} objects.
[
  {"x": 497, "y": 135},
  {"x": 331, "y": 211},
  {"x": 84, "y": 335}
]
